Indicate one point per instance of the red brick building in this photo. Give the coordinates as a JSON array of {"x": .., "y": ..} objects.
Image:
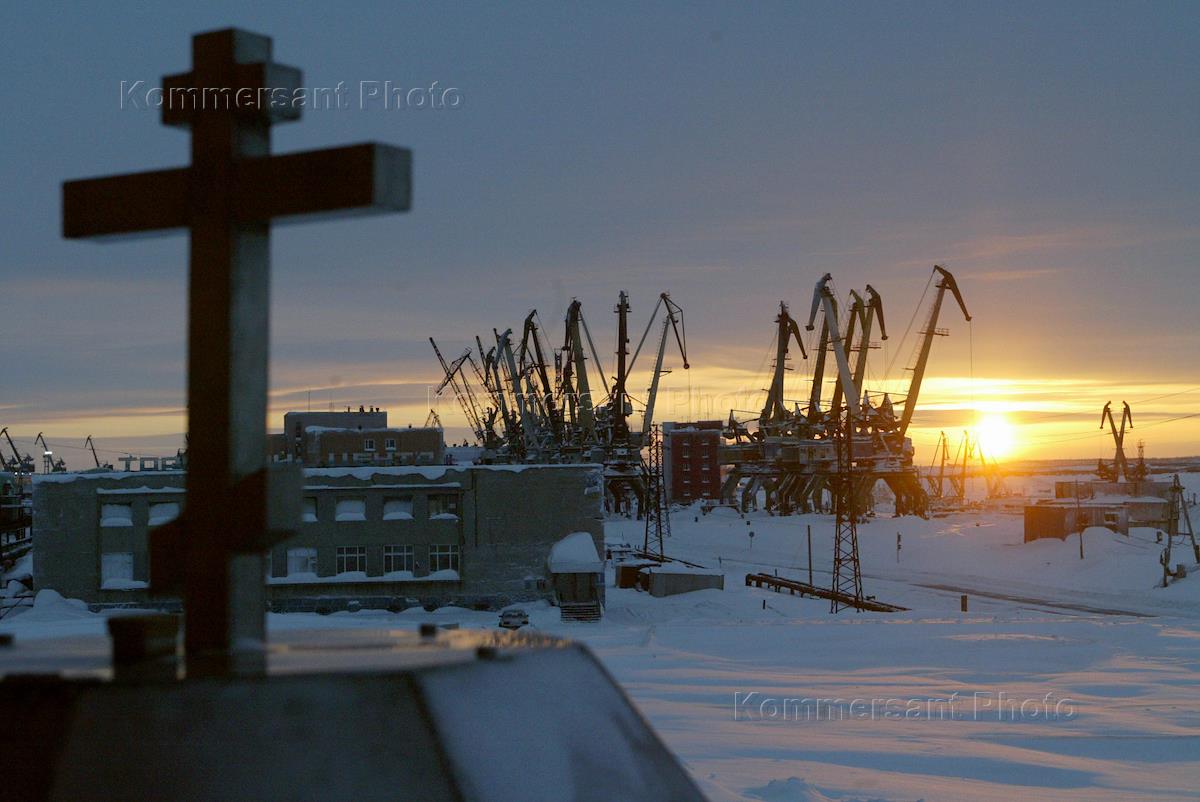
[{"x": 690, "y": 466}]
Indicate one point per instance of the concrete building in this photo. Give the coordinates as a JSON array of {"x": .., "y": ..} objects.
[
  {"x": 475, "y": 535},
  {"x": 691, "y": 466},
  {"x": 337, "y": 439},
  {"x": 1059, "y": 518},
  {"x": 1148, "y": 502}
]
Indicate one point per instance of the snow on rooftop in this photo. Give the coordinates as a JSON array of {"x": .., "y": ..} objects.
[
  {"x": 61, "y": 478},
  {"x": 575, "y": 554},
  {"x": 365, "y": 472}
]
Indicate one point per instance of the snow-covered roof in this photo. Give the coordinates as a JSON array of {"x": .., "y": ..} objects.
[{"x": 575, "y": 554}]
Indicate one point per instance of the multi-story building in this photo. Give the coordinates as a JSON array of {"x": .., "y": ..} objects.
[
  {"x": 332, "y": 439},
  {"x": 469, "y": 534},
  {"x": 690, "y": 465}
]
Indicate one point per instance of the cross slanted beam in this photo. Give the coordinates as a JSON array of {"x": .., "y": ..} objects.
[{"x": 226, "y": 200}]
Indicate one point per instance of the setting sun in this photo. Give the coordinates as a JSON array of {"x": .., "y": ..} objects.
[{"x": 996, "y": 436}]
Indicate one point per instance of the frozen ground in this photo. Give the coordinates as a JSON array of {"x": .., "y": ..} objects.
[{"x": 1068, "y": 678}]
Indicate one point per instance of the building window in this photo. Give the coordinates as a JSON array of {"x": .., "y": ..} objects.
[
  {"x": 163, "y": 513},
  {"x": 116, "y": 569},
  {"x": 351, "y": 558},
  {"x": 687, "y": 467},
  {"x": 398, "y": 558},
  {"x": 443, "y": 505},
  {"x": 116, "y": 515},
  {"x": 369, "y": 444},
  {"x": 443, "y": 557},
  {"x": 351, "y": 509},
  {"x": 398, "y": 509},
  {"x": 389, "y": 444},
  {"x": 301, "y": 561},
  {"x": 310, "y": 509}
]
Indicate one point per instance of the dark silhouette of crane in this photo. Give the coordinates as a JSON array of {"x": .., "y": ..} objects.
[
  {"x": 17, "y": 464},
  {"x": 1120, "y": 466},
  {"x": 90, "y": 444},
  {"x": 945, "y": 281}
]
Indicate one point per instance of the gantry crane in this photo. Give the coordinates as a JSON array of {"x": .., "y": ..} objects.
[
  {"x": 775, "y": 409},
  {"x": 462, "y": 393},
  {"x": 937, "y": 482},
  {"x": 869, "y": 312},
  {"x": 672, "y": 322},
  {"x": 620, "y": 407},
  {"x": 532, "y": 362},
  {"x": 574, "y": 383}
]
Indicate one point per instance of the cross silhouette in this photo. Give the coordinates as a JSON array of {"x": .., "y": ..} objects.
[{"x": 226, "y": 199}]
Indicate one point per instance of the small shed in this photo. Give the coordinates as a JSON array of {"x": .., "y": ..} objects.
[
  {"x": 576, "y": 570},
  {"x": 1060, "y": 518},
  {"x": 672, "y": 579}
]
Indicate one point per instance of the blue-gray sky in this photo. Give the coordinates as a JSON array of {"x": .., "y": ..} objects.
[{"x": 728, "y": 153}]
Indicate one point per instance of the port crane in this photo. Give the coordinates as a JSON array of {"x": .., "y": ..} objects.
[
  {"x": 945, "y": 281},
  {"x": 49, "y": 464},
  {"x": 775, "y": 411},
  {"x": 824, "y": 300},
  {"x": 937, "y": 481},
  {"x": 532, "y": 363},
  {"x": 477, "y": 419},
  {"x": 672, "y": 322},
  {"x": 574, "y": 385},
  {"x": 1120, "y": 468},
  {"x": 88, "y": 443},
  {"x": 17, "y": 464}
]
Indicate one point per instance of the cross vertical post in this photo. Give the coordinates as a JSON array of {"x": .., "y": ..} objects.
[
  {"x": 228, "y": 303},
  {"x": 226, "y": 199}
]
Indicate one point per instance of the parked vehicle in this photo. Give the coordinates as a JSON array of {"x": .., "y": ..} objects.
[{"x": 514, "y": 619}]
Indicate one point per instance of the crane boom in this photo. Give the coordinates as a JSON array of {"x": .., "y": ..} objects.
[
  {"x": 823, "y": 298},
  {"x": 945, "y": 282},
  {"x": 670, "y": 322},
  {"x": 1121, "y": 464},
  {"x": 853, "y": 316},
  {"x": 786, "y": 328},
  {"x": 89, "y": 444},
  {"x": 575, "y": 375},
  {"x": 873, "y": 310}
]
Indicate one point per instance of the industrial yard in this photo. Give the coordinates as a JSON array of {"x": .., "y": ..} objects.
[
  {"x": 1066, "y": 678},
  {"x": 706, "y": 401}
]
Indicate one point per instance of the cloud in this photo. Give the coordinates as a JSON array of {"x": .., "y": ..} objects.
[{"x": 1012, "y": 275}]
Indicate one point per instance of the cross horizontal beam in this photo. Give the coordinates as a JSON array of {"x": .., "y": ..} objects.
[{"x": 348, "y": 181}]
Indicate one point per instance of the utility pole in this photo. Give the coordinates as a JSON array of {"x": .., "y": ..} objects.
[
  {"x": 847, "y": 572},
  {"x": 658, "y": 515},
  {"x": 810, "y": 565},
  {"x": 1079, "y": 518},
  {"x": 1179, "y": 512}
]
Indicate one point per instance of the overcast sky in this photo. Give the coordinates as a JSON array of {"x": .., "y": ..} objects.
[{"x": 726, "y": 153}]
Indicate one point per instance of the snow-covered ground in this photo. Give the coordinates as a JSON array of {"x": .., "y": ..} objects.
[{"x": 1068, "y": 678}]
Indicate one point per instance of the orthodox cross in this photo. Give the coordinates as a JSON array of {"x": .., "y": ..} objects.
[{"x": 226, "y": 200}]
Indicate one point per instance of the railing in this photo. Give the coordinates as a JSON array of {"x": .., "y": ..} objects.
[{"x": 780, "y": 584}]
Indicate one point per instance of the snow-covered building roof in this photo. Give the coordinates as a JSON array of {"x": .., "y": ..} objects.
[{"x": 575, "y": 554}]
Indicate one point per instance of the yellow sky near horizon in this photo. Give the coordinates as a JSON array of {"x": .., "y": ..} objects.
[{"x": 1046, "y": 418}]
